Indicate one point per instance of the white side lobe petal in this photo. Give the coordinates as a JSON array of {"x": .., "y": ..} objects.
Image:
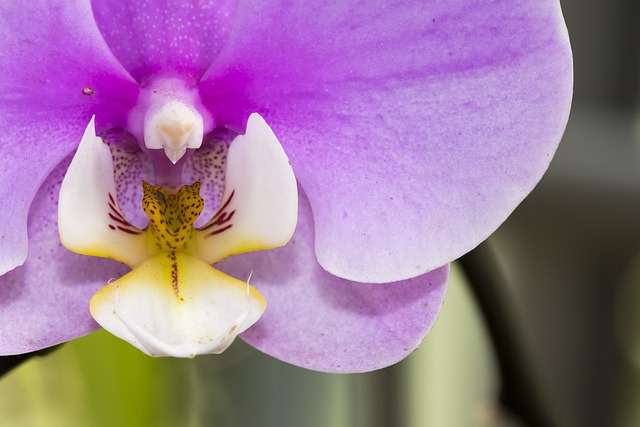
[
  {"x": 176, "y": 305},
  {"x": 259, "y": 208},
  {"x": 89, "y": 218}
]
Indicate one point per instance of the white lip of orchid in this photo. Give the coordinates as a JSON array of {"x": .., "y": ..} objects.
[
  {"x": 174, "y": 126},
  {"x": 173, "y": 302}
]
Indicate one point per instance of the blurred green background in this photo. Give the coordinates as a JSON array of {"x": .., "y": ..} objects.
[{"x": 571, "y": 253}]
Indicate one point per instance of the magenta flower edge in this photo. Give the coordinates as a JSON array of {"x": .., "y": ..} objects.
[{"x": 413, "y": 130}]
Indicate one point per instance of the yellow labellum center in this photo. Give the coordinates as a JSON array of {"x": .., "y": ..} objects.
[
  {"x": 174, "y": 302},
  {"x": 172, "y": 215}
]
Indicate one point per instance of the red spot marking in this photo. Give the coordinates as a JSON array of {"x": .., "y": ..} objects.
[
  {"x": 220, "y": 230},
  {"x": 221, "y": 212},
  {"x": 226, "y": 203},
  {"x": 128, "y": 231},
  {"x": 174, "y": 273},
  {"x": 119, "y": 220},
  {"x": 115, "y": 211},
  {"x": 116, "y": 216},
  {"x": 224, "y": 218}
]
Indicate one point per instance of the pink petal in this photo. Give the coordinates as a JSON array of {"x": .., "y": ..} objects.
[
  {"x": 321, "y": 322},
  {"x": 46, "y": 301},
  {"x": 165, "y": 36},
  {"x": 55, "y": 72},
  {"x": 415, "y": 127}
]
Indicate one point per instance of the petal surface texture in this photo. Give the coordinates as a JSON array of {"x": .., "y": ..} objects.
[
  {"x": 322, "y": 322},
  {"x": 414, "y": 127},
  {"x": 55, "y": 73},
  {"x": 175, "y": 36},
  {"x": 259, "y": 208},
  {"x": 176, "y": 305}
]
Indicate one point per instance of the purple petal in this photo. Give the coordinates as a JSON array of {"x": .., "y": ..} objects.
[
  {"x": 170, "y": 36},
  {"x": 46, "y": 301},
  {"x": 321, "y": 322},
  {"x": 415, "y": 127},
  {"x": 55, "y": 72}
]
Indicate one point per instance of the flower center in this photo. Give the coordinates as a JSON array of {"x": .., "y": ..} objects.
[
  {"x": 172, "y": 215},
  {"x": 174, "y": 302}
]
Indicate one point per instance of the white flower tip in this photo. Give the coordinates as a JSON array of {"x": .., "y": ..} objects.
[
  {"x": 83, "y": 194},
  {"x": 89, "y": 219},
  {"x": 200, "y": 313},
  {"x": 259, "y": 208},
  {"x": 174, "y": 155},
  {"x": 174, "y": 127}
]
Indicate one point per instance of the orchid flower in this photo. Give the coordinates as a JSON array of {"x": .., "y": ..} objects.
[{"x": 144, "y": 141}]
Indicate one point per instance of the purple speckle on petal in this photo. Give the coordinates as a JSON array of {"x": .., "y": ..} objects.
[{"x": 209, "y": 165}]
